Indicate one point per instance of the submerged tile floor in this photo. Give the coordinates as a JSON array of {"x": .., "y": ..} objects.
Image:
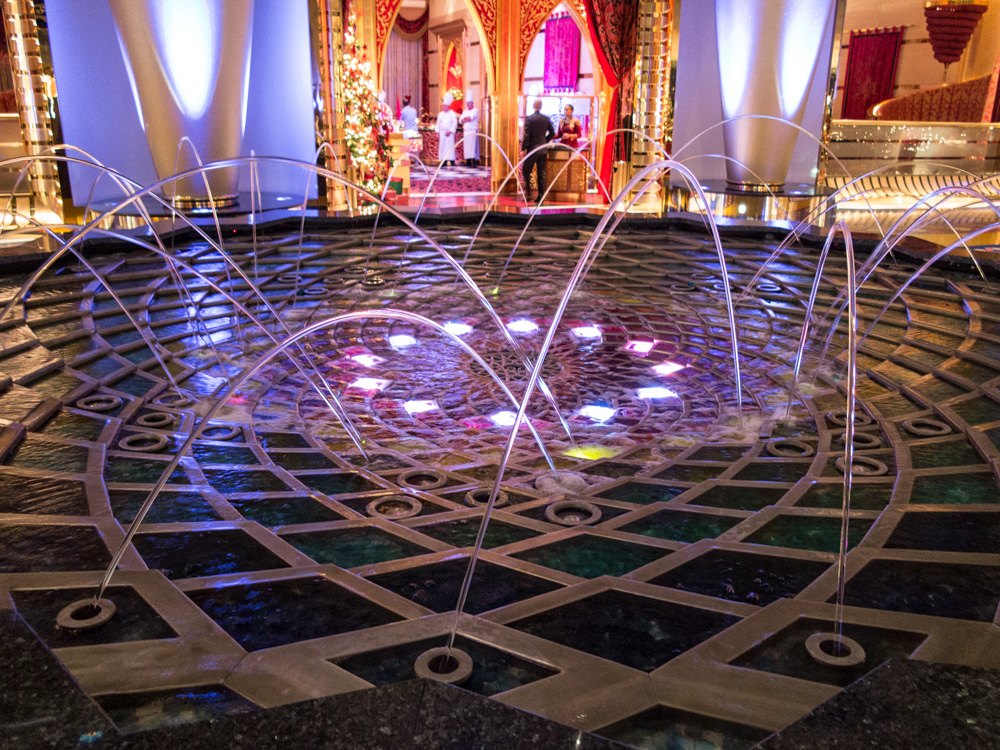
[{"x": 680, "y": 611}]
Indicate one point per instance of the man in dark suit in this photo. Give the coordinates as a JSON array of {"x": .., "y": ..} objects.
[{"x": 537, "y": 130}]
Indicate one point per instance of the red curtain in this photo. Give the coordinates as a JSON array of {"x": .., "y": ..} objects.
[
  {"x": 425, "y": 76},
  {"x": 871, "y": 70},
  {"x": 562, "y": 54},
  {"x": 613, "y": 26}
]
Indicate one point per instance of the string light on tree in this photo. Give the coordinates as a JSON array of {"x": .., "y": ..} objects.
[{"x": 364, "y": 124}]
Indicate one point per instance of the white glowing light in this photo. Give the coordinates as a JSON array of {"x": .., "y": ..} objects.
[
  {"x": 401, "y": 340},
  {"x": 640, "y": 347},
  {"x": 504, "y": 418},
  {"x": 805, "y": 28},
  {"x": 457, "y": 329},
  {"x": 522, "y": 326},
  {"x": 419, "y": 407},
  {"x": 586, "y": 332},
  {"x": 191, "y": 52},
  {"x": 368, "y": 360},
  {"x": 369, "y": 384},
  {"x": 667, "y": 368},
  {"x": 742, "y": 208},
  {"x": 597, "y": 413},
  {"x": 735, "y": 30},
  {"x": 656, "y": 392}
]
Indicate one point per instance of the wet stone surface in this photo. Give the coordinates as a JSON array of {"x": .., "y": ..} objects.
[
  {"x": 494, "y": 671},
  {"x": 437, "y": 586},
  {"x": 649, "y": 314},
  {"x": 636, "y": 631},
  {"x": 285, "y": 611},
  {"x": 743, "y": 577}
]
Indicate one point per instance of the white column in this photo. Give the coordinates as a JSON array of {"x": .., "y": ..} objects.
[
  {"x": 768, "y": 51},
  {"x": 189, "y": 65}
]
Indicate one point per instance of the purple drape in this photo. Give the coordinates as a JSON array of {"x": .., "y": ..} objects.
[
  {"x": 562, "y": 54},
  {"x": 871, "y": 70}
]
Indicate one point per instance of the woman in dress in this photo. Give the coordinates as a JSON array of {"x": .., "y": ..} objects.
[{"x": 569, "y": 128}]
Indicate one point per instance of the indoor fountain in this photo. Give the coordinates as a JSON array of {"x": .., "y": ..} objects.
[
  {"x": 250, "y": 466},
  {"x": 291, "y": 458}
]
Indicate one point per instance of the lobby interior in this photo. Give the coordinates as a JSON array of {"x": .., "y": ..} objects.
[{"x": 307, "y": 438}]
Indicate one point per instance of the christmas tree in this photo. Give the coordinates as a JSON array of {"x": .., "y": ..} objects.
[{"x": 364, "y": 119}]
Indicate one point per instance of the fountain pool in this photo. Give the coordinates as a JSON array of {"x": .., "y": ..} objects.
[{"x": 668, "y": 594}]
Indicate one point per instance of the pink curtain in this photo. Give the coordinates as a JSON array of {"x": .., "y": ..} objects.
[
  {"x": 871, "y": 70},
  {"x": 562, "y": 54}
]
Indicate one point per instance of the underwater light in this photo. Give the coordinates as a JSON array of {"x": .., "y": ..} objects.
[
  {"x": 457, "y": 329},
  {"x": 401, "y": 340},
  {"x": 522, "y": 326},
  {"x": 504, "y": 418},
  {"x": 586, "y": 332},
  {"x": 368, "y": 360},
  {"x": 369, "y": 384},
  {"x": 593, "y": 452},
  {"x": 667, "y": 368},
  {"x": 597, "y": 413},
  {"x": 418, "y": 407},
  {"x": 656, "y": 392},
  {"x": 640, "y": 347}
]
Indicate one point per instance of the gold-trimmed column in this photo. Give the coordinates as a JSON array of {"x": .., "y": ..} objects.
[
  {"x": 34, "y": 90},
  {"x": 507, "y": 87},
  {"x": 328, "y": 40},
  {"x": 652, "y": 90}
]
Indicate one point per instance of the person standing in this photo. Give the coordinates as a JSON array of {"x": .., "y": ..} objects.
[
  {"x": 470, "y": 128},
  {"x": 569, "y": 128},
  {"x": 538, "y": 130},
  {"x": 447, "y": 124},
  {"x": 410, "y": 119}
]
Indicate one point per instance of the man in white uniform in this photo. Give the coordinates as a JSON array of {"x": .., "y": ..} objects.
[
  {"x": 470, "y": 130},
  {"x": 447, "y": 124}
]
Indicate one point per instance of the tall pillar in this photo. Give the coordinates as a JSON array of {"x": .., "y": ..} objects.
[
  {"x": 768, "y": 52},
  {"x": 190, "y": 68},
  {"x": 328, "y": 42},
  {"x": 506, "y": 89},
  {"x": 35, "y": 92},
  {"x": 652, "y": 89}
]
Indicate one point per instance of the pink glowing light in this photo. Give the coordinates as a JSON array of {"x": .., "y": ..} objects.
[
  {"x": 640, "y": 347},
  {"x": 370, "y": 386}
]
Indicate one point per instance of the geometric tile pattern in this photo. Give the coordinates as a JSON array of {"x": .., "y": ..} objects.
[{"x": 711, "y": 549}]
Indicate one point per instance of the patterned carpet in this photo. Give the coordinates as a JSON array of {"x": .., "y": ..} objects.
[{"x": 456, "y": 179}]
